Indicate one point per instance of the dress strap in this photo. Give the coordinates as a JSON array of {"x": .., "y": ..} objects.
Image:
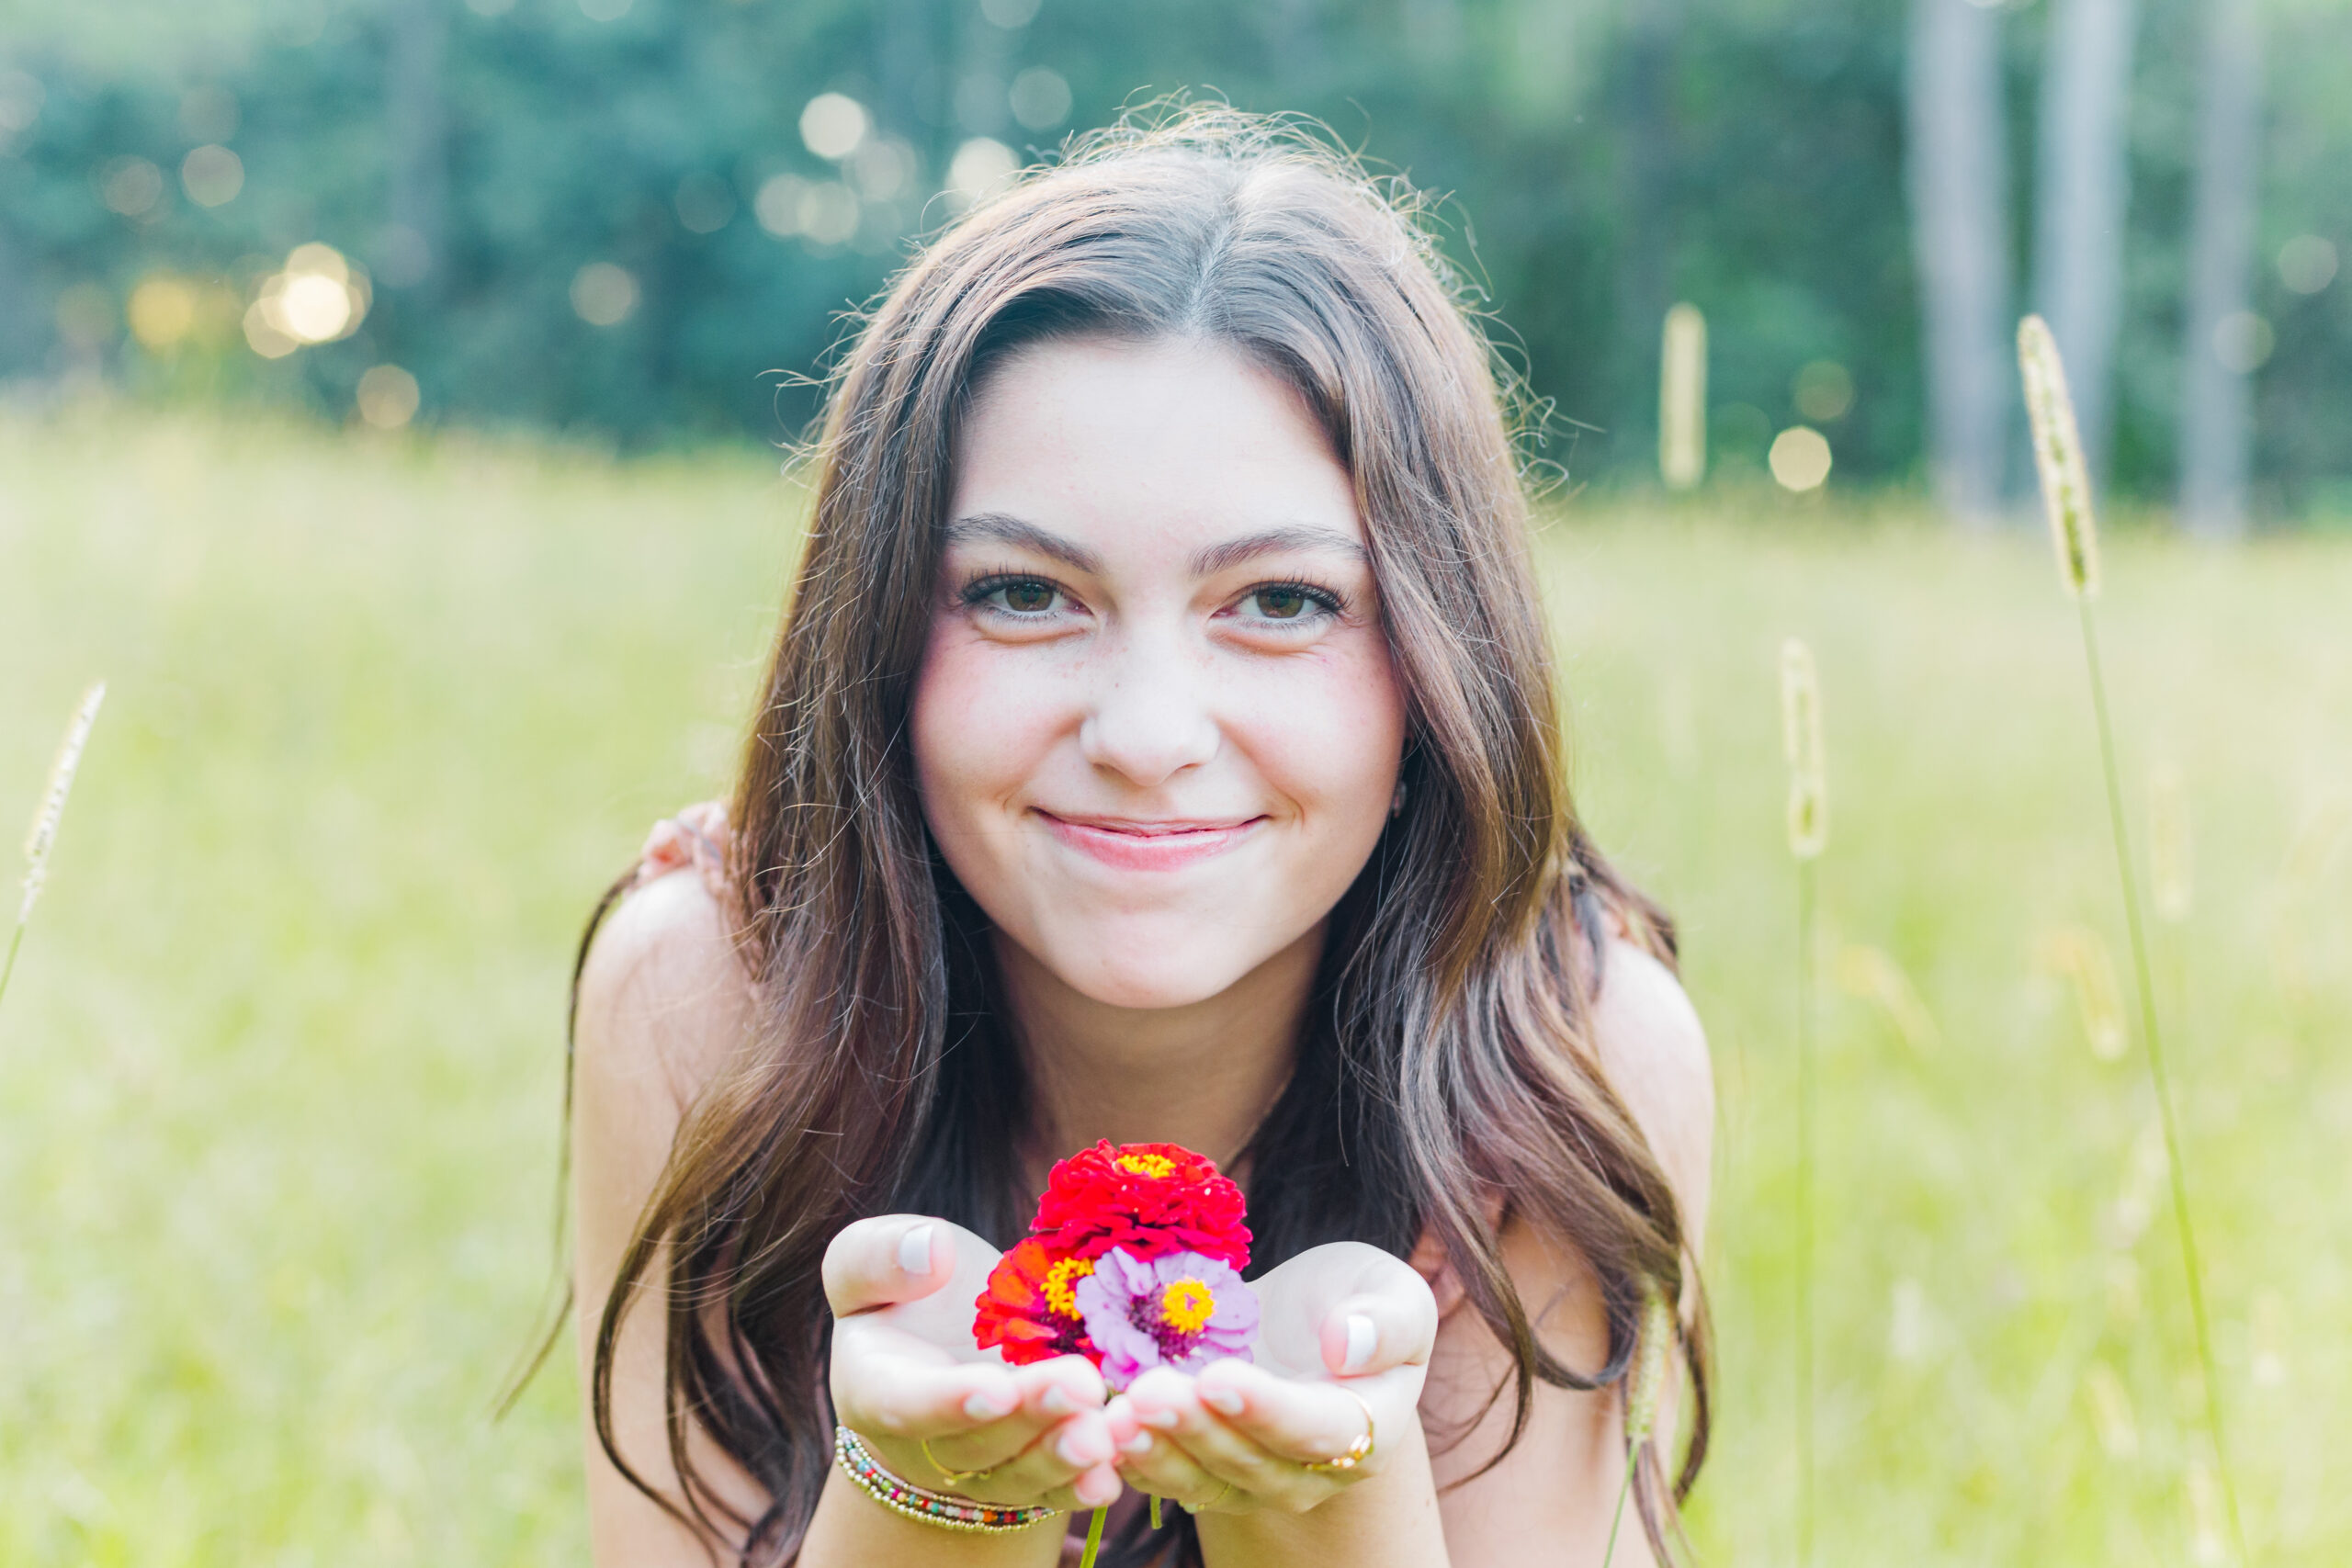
[{"x": 696, "y": 837}]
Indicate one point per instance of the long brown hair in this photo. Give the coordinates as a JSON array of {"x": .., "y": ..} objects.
[{"x": 1449, "y": 1062}]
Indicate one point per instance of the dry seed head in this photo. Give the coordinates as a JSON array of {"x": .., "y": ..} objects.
[
  {"x": 1650, "y": 1366},
  {"x": 2080, "y": 954},
  {"x": 1682, "y": 399},
  {"x": 1801, "y": 744},
  {"x": 2111, "y": 1416},
  {"x": 43, "y": 836},
  {"x": 2206, "y": 1540},
  {"x": 1872, "y": 975},
  {"x": 2058, "y": 456},
  {"x": 2171, "y": 862}
]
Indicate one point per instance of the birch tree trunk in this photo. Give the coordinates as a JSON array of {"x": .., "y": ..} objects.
[
  {"x": 1959, "y": 240},
  {"x": 2216, "y": 423},
  {"x": 413, "y": 256},
  {"x": 2081, "y": 187}
]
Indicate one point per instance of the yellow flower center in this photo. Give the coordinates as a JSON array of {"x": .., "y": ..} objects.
[
  {"x": 1186, "y": 1304},
  {"x": 1061, "y": 1284},
  {"x": 1154, "y": 1165}
]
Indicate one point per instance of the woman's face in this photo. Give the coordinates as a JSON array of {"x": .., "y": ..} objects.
[{"x": 1157, "y": 728}]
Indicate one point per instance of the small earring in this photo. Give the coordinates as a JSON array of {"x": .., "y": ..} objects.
[{"x": 1397, "y": 801}]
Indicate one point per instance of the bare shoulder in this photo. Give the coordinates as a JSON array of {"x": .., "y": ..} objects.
[
  {"x": 1653, "y": 1049},
  {"x": 664, "y": 997}
]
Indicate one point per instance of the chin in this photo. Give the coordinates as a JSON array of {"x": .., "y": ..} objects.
[{"x": 1145, "y": 971}]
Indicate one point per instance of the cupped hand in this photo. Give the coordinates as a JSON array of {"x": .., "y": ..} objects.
[
  {"x": 932, "y": 1406},
  {"x": 1345, "y": 1333}
]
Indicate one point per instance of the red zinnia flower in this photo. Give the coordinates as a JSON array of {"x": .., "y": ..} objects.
[
  {"x": 1030, "y": 1311},
  {"x": 1150, "y": 1198}
]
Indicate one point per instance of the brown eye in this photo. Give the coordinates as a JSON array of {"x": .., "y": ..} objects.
[
  {"x": 1028, "y": 598},
  {"x": 1280, "y": 604}
]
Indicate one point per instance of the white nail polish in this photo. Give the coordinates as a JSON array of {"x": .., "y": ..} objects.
[
  {"x": 986, "y": 1407},
  {"x": 1069, "y": 1451},
  {"x": 1139, "y": 1445},
  {"x": 1362, "y": 1340},
  {"x": 915, "y": 1250},
  {"x": 1224, "y": 1401},
  {"x": 1054, "y": 1402}
]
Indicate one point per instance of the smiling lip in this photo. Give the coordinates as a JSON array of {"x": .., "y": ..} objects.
[{"x": 1132, "y": 844}]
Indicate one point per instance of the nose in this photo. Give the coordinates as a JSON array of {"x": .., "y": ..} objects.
[{"x": 1148, "y": 717}]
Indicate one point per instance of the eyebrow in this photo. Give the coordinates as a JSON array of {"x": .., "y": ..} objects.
[
  {"x": 1008, "y": 530},
  {"x": 1273, "y": 541},
  {"x": 1004, "y": 529}
]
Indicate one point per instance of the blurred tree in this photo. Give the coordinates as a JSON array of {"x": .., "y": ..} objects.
[
  {"x": 1590, "y": 165},
  {"x": 1959, "y": 235},
  {"x": 2223, "y": 339},
  {"x": 2081, "y": 191}
]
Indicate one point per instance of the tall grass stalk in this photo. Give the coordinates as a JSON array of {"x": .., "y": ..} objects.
[
  {"x": 2074, "y": 530},
  {"x": 1808, "y": 827},
  {"x": 1641, "y": 1403},
  {"x": 43, "y": 836}
]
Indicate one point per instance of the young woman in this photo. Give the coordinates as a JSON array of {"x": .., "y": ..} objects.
[{"x": 1160, "y": 746}]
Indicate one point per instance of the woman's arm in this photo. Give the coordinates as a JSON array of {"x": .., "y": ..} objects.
[
  {"x": 663, "y": 1001},
  {"x": 1549, "y": 1503}
]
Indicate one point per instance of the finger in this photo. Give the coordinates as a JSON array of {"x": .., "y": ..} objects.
[
  {"x": 1049, "y": 1392},
  {"x": 1372, "y": 1331},
  {"x": 884, "y": 1260},
  {"x": 1168, "y": 1404},
  {"x": 1070, "y": 1464},
  {"x": 1305, "y": 1423},
  {"x": 880, "y": 1385},
  {"x": 1149, "y": 1462}
]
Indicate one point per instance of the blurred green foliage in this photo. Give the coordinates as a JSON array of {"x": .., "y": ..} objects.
[
  {"x": 281, "y": 1067},
  {"x": 1604, "y": 159}
]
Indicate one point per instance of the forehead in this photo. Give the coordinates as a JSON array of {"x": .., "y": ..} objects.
[{"x": 1177, "y": 439}]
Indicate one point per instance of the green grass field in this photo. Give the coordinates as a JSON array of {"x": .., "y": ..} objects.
[{"x": 280, "y": 1066}]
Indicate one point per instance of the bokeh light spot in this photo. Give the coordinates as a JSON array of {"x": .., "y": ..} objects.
[
  {"x": 777, "y": 206},
  {"x": 131, "y": 185},
  {"x": 1823, "y": 391},
  {"x": 2243, "y": 341},
  {"x": 2307, "y": 264},
  {"x": 1799, "y": 458},
  {"x": 212, "y": 176},
  {"x": 162, "y": 311},
  {"x": 705, "y": 203},
  {"x": 1040, "y": 98},
  {"x": 604, "y": 295},
  {"x": 388, "y": 397},
  {"x": 832, "y": 125},
  {"x": 982, "y": 165}
]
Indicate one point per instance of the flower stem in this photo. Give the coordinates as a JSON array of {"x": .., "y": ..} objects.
[
  {"x": 1094, "y": 1538},
  {"x": 1806, "y": 965},
  {"x": 1155, "y": 1510},
  {"x": 2157, "y": 1073}
]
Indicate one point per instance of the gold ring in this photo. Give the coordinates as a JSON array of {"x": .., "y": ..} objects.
[
  {"x": 953, "y": 1477},
  {"x": 1359, "y": 1450}
]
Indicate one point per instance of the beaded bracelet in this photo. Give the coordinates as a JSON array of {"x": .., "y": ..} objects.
[{"x": 940, "y": 1508}]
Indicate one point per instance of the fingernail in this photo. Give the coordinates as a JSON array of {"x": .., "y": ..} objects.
[
  {"x": 915, "y": 1250},
  {"x": 1362, "y": 1340},
  {"x": 1139, "y": 1445},
  {"x": 986, "y": 1406},
  {"x": 1163, "y": 1419},
  {"x": 1097, "y": 1491},
  {"x": 1054, "y": 1402},
  {"x": 1224, "y": 1401},
  {"x": 1073, "y": 1451}
]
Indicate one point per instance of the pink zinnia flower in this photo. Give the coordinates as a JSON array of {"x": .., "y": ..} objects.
[{"x": 1182, "y": 1310}]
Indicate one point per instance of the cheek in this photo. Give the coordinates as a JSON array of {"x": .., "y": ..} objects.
[
  {"x": 979, "y": 725},
  {"x": 1328, "y": 735}
]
